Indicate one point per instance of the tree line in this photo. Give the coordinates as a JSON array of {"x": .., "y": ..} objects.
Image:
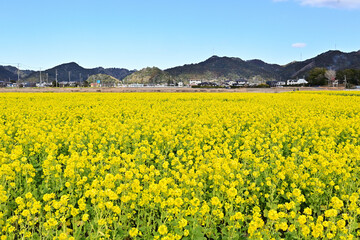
[{"x": 322, "y": 76}]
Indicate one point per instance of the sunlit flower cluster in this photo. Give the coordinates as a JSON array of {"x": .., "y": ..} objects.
[{"x": 180, "y": 166}]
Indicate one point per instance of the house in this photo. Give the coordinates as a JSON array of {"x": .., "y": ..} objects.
[
  {"x": 40, "y": 84},
  {"x": 194, "y": 82},
  {"x": 95, "y": 84},
  {"x": 300, "y": 81},
  {"x": 135, "y": 85},
  {"x": 335, "y": 83},
  {"x": 276, "y": 83},
  {"x": 11, "y": 85},
  {"x": 4, "y": 84},
  {"x": 280, "y": 83},
  {"x": 240, "y": 83},
  {"x": 228, "y": 83},
  {"x": 28, "y": 84},
  {"x": 236, "y": 83},
  {"x": 67, "y": 84},
  {"x": 207, "y": 84}
]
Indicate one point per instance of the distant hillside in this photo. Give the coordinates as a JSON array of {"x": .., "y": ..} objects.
[
  {"x": 104, "y": 79},
  {"x": 73, "y": 72},
  {"x": 149, "y": 75},
  {"x": 22, "y": 73},
  {"x": 5, "y": 74},
  {"x": 118, "y": 73},
  {"x": 335, "y": 60},
  {"x": 11, "y": 73},
  {"x": 224, "y": 68}
]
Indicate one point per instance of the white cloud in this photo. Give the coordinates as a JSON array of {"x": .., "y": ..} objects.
[
  {"x": 348, "y": 4},
  {"x": 298, "y": 45},
  {"x": 332, "y": 3}
]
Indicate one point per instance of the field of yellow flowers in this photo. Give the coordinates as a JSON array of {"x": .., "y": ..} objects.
[{"x": 180, "y": 166}]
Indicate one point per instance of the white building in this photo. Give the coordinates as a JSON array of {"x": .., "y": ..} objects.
[
  {"x": 40, "y": 84},
  {"x": 194, "y": 82},
  {"x": 300, "y": 81},
  {"x": 280, "y": 83}
]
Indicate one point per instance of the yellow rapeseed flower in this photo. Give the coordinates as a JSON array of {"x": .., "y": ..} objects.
[{"x": 163, "y": 229}]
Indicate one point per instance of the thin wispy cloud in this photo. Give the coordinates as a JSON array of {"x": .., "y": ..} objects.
[
  {"x": 332, "y": 3},
  {"x": 344, "y": 4},
  {"x": 298, "y": 45}
]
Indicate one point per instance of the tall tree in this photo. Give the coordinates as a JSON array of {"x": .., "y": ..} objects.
[
  {"x": 316, "y": 77},
  {"x": 352, "y": 76}
]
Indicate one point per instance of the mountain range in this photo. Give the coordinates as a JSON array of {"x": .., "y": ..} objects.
[
  {"x": 73, "y": 72},
  {"x": 213, "y": 69},
  {"x": 227, "y": 68}
]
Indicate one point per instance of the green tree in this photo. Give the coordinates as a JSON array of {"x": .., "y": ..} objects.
[
  {"x": 316, "y": 77},
  {"x": 55, "y": 84},
  {"x": 86, "y": 84},
  {"x": 352, "y": 76}
]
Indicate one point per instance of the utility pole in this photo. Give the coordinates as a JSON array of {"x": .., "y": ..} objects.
[
  {"x": 40, "y": 75},
  {"x": 69, "y": 76},
  {"x": 345, "y": 81},
  {"x": 80, "y": 79},
  {"x": 47, "y": 77},
  {"x": 18, "y": 73},
  {"x": 56, "y": 74}
]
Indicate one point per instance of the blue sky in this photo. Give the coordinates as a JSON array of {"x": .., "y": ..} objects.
[{"x": 140, "y": 33}]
